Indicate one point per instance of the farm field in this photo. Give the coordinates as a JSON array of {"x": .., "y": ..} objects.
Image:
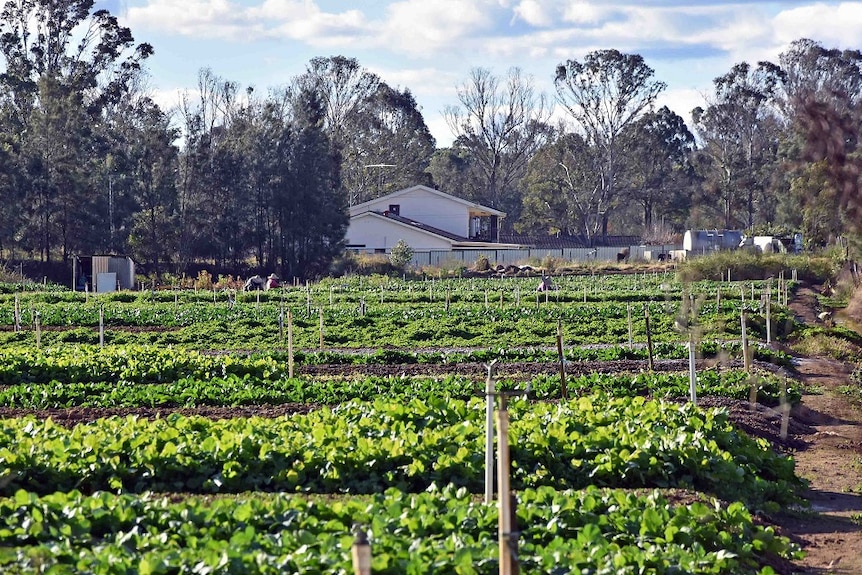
[{"x": 207, "y": 431}]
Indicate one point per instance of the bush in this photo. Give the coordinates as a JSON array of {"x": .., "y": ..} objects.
[
  {"x": 401, "y": 254},
  {"x": 749, "y": 265}
]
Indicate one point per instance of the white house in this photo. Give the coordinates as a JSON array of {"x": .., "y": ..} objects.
[{"x": 426, "y": 219}]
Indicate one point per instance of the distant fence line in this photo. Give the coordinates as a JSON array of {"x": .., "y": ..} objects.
[{"x": 435, "y": 258}]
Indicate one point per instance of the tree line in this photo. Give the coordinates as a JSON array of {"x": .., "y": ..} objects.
[{"x": 89, "y": 163}]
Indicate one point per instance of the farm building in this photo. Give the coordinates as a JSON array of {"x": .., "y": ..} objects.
[
  {"x": 426, "y": 219},
  {"x": 696, "y": 242},
  {"x": 102, "y": 273}
]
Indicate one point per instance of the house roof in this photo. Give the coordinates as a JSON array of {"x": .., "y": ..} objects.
[
  {"x": 456, "y": 240},
  {"x": 359, "y": 208}
]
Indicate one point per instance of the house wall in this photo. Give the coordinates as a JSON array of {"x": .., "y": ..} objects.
[
  {"x": 430, "y": 209},
  {"x": 377, "y": 233}
]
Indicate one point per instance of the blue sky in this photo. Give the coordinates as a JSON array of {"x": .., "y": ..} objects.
[{"x": 430, "y": 46}]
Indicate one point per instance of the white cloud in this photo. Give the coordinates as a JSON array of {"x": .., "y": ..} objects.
[
  {"x": 421, "y": 28},
  {"x": 836, "y": 26},
  {"x": 534, "y": 13},
  {"x": 206, "y": 18},
  {"x": 583, "y": 12},
  {"x": 293, "y": 19},
  {"x": 682, "y": 101}
]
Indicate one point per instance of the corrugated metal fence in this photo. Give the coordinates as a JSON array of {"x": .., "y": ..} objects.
[{"x": 443, "y": 258}]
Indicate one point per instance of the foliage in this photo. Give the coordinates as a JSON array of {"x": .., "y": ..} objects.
[
  {"x": 748, "y": 265},
  {"x": 401, "y": 254},
  {"x": 828, "y": 343},
  {"x": 367, "y": 447},
  {"x": 500, "y": 123},
  {"x": 591, "y": 530},
  {"x": 605, "y": 94}
]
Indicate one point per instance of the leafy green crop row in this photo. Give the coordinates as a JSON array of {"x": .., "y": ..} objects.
[
  {"x": 235, "y": 390},
  {"x": 362, "y": 447},
  {"x": 152, "y": 364},
  {"x": 372, "y": 320},
  {"x": 128, "y": 364},
  {"x": 444, "y": 531}
]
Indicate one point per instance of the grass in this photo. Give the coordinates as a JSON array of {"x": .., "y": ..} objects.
[
  {"x": 854, "y": 392},
  {"x": 827, "y": 343},
  {"x": 748, "y": 265}
]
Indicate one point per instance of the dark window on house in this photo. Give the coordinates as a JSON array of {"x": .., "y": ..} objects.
[
  {"x": 379, "y": 250},
  {"x": 395, "y": 209}
]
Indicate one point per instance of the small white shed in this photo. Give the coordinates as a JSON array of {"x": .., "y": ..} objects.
[{"x": 103, "y": 273}]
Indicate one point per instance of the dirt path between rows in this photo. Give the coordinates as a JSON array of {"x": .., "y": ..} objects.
[{"x": 830, "y": 532}]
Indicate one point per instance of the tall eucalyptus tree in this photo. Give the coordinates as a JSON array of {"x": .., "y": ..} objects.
[
  {"x": 562, "y": 190},
  {"x": 739, "y": 135},
  {"x": 377, "y": 131},
  {"x": 604, "y": 94},
  {"x": 501, "y": 123},
  {"x": 658, "y": 174}
]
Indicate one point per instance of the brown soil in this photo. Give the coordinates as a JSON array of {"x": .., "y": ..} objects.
[
  {"x": 824, "y": 437},
  {"x": 830, "y": 532}
]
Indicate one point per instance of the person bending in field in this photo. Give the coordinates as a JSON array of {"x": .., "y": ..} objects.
[
  {"x": 546, "y": 284},
  {"x": 272, "y": 281},
  {"x": 255, "y": 282}
]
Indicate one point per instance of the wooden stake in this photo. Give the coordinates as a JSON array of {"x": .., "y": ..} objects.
[
  {"x": 768, "y": 316},
  {"x": 785, "y": 409},
  {"x": 631, "y": 327},
  {"x": 648, "y": 338},
  {"x": 564, "y": 392},
  {"x": 289, "y": 344},
  {"x": 321, "y": 328},
  {"x": 692, "y": 372},
  {"x": 489, "y": 432},
  {"x": 745, "y": 358}
]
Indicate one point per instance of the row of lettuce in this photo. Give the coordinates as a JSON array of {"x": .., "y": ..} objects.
[
  {"x": 136, "y": 376},
  {"x": 596, "y": 288},
  {"x": 445, "y": 531},
  {"x": 402, "y": 314},
  {"x": 423, "y": 458}
]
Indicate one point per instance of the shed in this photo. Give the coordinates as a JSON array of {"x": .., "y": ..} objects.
[
  {"x": 702, "y": 241},
  {"x": 103, "y": 273}
]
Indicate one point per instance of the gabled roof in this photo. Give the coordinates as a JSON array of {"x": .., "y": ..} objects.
[
  {"x": 407, "y": 222},
  {"x": 456, "y": 240},
  {"x": 359, "y": 208},
  {"x": 416, "y": 224}
]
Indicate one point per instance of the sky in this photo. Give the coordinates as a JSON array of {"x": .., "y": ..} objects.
[{"x": 430, "y": 46}]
